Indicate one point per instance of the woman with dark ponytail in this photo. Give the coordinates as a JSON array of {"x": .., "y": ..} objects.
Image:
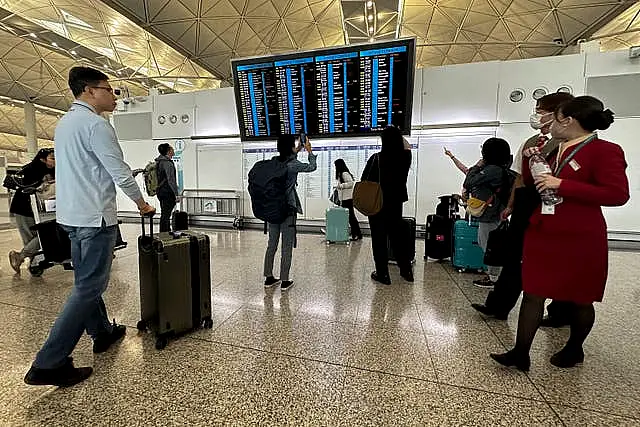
[
  {"x": 345, "y": 193},
  {"x": 566, "y": 251}
]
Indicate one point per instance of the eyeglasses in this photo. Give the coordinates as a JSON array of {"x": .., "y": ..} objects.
[{"x": 108, "y": 89}]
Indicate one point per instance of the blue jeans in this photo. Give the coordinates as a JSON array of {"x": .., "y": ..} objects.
[{"x": 92, "y": 256}]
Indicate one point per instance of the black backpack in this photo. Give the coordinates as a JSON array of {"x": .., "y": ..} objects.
[{"x": 268, "y": 190}]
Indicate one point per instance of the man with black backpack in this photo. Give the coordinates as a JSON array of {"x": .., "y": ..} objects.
[
  {"x": 167, "y": 191},
  {"x": 274, "y": 199}
]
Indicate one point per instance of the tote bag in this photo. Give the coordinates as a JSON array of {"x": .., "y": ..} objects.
[{"x": 367, "y": 195}]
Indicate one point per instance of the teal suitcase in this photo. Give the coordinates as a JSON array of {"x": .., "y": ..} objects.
[
  {"x": 337, "y": 227},
  {"x": 467, "y": 253}
]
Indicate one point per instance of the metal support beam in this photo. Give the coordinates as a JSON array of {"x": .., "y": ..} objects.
[{"x": 30, "y": 128}]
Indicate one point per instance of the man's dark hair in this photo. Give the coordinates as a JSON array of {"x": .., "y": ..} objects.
[
  {"x": 81, "y": 77},
  {"x": 496, "y": 151},
  {"x": 163, "y": 149},
  {"x": 286, "y": 143},
  {"x": 552, "y": 101}
]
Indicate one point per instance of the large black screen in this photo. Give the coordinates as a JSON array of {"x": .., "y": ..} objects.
[{"x": 346, "y": 91}]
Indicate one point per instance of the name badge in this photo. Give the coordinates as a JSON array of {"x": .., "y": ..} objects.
[
  {"x": 548, "y": 209},
  {"x": 574, "y": 165}
]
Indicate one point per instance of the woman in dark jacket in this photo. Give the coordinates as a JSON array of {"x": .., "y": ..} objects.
[
  {"x": 390, "y": 167},
  {"x": 33, "y": 174}
]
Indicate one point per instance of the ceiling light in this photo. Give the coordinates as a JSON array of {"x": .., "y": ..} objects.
[
  {"x": 33, "y": 35},
  {"x": 73, "y": 52},
  {"x": 54, "y": 44},
  {"x": 370, "y": 17},
  {"x": 369, "y": 4},
  {"x": 371, "y": 29},
  {"x": 371, "y": 39}
]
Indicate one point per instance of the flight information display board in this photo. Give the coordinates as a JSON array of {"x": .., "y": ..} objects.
[{"x": 347, "y": 91}]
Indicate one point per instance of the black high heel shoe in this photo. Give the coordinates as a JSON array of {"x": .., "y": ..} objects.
[
  {"x": 511, "y": 358},
  {"x": 567, "y": 358}
]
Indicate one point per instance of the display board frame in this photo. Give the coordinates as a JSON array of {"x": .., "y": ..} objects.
[{"x": 409, "y": 43}]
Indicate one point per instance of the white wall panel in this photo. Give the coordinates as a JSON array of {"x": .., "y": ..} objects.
[
  {"x": 549, "y": 73},
  {"x": 625, "y": 133},
  {"x": 216, "y": 113},
  {"x": 611, "y": 63},
  {"x": 173, "y": 107},
  {"x": 460, "y": 93},
  {"x": 219, "y": 165}
]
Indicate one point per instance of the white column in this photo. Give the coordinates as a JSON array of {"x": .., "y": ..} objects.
[{"x": 30, "y": 128}]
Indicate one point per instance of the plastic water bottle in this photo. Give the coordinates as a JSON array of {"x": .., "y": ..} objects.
[{"x": 539, "y": 167}]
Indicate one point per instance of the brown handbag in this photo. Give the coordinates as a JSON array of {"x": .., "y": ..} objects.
[{"x": 367, "y": 195}]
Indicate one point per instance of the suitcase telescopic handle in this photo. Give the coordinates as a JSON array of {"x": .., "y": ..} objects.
[{"x": 150, "y": 216}]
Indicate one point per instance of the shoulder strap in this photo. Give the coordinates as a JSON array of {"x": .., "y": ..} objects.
[{"x": 571, "y": 155}]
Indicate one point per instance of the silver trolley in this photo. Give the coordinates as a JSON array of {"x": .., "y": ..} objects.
[{"x": 214, "y": 203}]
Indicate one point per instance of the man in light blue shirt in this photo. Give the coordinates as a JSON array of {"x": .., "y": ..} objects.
[{"x": 89, "y": 165}]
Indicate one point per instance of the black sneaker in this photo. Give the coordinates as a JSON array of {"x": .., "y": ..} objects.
[
  {"x": 270, "y": 281},
  {"x": 64, "y": 376},
  {"x": 483, "y": 283},
  {"x": 385, "y": 280},
  {"x": 104, "y": 341},
  {"x": 286, "y": 285}
]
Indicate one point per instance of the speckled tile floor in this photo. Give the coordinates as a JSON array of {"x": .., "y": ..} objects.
[{"x": 334, "y": 350}]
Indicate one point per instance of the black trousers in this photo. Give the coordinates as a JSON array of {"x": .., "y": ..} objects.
[
  {"x": 505, "y": 294},
  {"x": 353, "y": 221},
  {"x": 387, "y": 224},
  {"x": 167, "y": 204}
]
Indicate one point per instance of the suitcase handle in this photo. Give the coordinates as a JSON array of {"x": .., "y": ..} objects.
[{"x": 150, "y": 216}]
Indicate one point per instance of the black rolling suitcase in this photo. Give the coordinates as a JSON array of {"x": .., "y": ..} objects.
[
  {"x": 173, "y": 291},
  {"x": 438, "y": 237},
  {"x": 408, "y": 233}
]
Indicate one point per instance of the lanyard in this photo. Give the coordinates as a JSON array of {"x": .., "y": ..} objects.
[{"x": 571, "y": 155}]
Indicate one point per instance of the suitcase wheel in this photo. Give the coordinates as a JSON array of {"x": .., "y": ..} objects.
[
  {"x": 208, "y": 323},
  {"x": 142, "y": 326},
  {"x": 161, "y": 342},
  {"x": 36, "y": 271}
]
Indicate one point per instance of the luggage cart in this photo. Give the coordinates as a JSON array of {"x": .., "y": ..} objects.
[
  {"x": 55, "y": 246},
  {"x": 216, "y": 203}
]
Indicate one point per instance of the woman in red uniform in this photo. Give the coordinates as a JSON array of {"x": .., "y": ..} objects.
[{"x": 565, "y": 251}]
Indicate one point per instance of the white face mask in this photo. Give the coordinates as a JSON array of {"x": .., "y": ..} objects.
[{"x": 535, "y": 120}]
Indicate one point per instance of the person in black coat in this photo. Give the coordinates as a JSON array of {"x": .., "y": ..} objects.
[
  {"x": 34, "y": 173},
  {"x": 390, "y": 167}
]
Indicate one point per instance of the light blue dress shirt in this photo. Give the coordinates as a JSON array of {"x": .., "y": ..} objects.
[{"x": 89, "y": 163}]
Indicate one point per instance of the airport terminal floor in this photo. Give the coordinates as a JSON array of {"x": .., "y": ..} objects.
[{"x": 335, "y": 349}]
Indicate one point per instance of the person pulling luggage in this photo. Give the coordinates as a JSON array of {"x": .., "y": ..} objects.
[
  {"x": 345, "y": 195},
  {"x": 33, "y": 175},
  {"x": 89, "y": 164}
]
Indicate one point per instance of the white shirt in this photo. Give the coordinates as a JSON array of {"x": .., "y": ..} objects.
[
  {"x": 89, "y": 162},
  {"x": 345, "y": 189},
  {"x": 517, "y": 160}
]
